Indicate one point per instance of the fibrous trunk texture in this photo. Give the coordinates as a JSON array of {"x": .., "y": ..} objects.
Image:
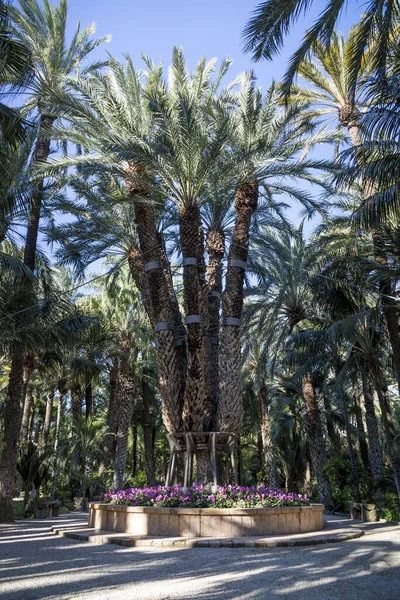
[
  {"x": 88, "y": 399},
  {"x": 110, "y": 441},
  {"x": 161, "y": 312},
  {"x": 362, "y": 438},
  {"x": 374, "y": 445},
  {"x": 333, "y": 435},
  {"x": 12, "y": 428},
  {"x": 389, "y": 428},
  {"x": 76, "y": 457},
  {"x": 352, "y": 455},
  {"x": 125, "y": 388},
  {"x": 197, "y": 399},
  {"x": 271, "y": 476},
  {"x": 148, "y": 428},
  {"x": 215, "y": 246},
  {"x": 54, "y": 458},
  {"x": 26, "y": 418},
  {"x": 316, "y": 441},
  {"x": 47, "y": 421},
  {"x": 230, "y": 406}
]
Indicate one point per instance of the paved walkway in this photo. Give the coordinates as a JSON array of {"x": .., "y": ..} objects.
[{"x": 35, "y": 564}]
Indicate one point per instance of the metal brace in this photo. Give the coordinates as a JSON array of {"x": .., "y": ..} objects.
[
  {"x": 193, "y": 319},
  {"x": 153, "y": 264},
  {"x": 242, "y": 264},
  {"x": 232, "y": 321},
  {"x": 163, "y": 326}
]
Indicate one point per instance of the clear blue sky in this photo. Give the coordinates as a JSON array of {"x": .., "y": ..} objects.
[{"x": 210, "y": 28}]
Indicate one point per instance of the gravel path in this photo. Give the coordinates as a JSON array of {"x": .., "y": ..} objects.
[{"x": 36, "y": 564}]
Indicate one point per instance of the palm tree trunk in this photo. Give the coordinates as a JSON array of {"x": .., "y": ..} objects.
[
  {"x": 162, "y": 312},
  {"x": 11, "y": 433},
  {"x": 88, "y": 400},
  {"x": 386, "y": 286},
  {"x": 389, "y": 427},
  {"x": 126, "y": 397},
  {"x": 215, "y": 246},
  {"x": 47, "y": 421},
  {"x": 29, "y": 366},
  {"x": 54, "y": 457},
  {"x": 76, "y": 414},
  {"x": 134, "y": 447},
  {"x": 136, "y": 267},
  {"x": 26, "y": 417},
  {"x": 110, "y": 440},
  {"x": 271, "y": 476},
  {"x": 333, "y": 436},
  {"x": 42, "y": 152},
  {"x": 361, "y": 434},
  {"x": 352, "y": 455},
  {"x": 149, "y": 458},
  {"x": 374, "y": 445},
  {"x": 308, "y": 476},
  {"x": 12, "y": 428},
  {"x": 197, "y": 403},
  {"x": 230, "y": 407},
  {"x": 316, "y": 440}
]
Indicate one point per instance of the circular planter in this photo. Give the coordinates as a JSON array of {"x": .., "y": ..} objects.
[{"x": 205, "y": 522}]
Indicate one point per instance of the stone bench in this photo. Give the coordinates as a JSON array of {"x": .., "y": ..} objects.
[
  {"x": 363, "y": 512},
  {"x": 49, "y": 508}
]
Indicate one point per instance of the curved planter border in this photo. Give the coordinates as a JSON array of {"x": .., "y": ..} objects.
[{"x": 205, "y": 522}]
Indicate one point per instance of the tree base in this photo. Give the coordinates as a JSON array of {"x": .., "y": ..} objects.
[{"x": 6, "y": 510}]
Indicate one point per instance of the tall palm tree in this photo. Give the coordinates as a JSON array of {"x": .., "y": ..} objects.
[
  {"x": 280, "y": 306},
  {"x": 257, "y": 370},
  {"x": 165, "y": 141},
  {"x": 273, "y": 19},
  {"x": 42, "y": 29},
  {"x": 338, "y": 90}
]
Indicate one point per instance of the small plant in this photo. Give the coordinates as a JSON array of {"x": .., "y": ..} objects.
[{"x": 200, "y": 496}]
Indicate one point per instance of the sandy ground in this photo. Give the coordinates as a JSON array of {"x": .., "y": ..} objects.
[{"x": 36, "y": 564}]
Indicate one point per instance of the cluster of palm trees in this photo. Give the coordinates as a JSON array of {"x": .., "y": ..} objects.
[{"x": 175, "y": 183}]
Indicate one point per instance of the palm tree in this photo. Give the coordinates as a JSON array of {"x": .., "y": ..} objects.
[
  {"x": 280, "y": 306},
  {"x": 166, "y": 141},
  {"x": 42, "y": 30},
  {"x": 256, "y": 368},
  {"x": 339, "y": 90},
  {"x": 273, "y": 19},
  {"x": 15, "y": 72}
]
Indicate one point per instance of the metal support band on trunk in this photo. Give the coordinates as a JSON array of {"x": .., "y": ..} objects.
[
  {"x": 232, "y": 321},
  {"x": 153, "y": 264},
  {"x": 189, "y": 261},
  {"x": 215, "y": 294},
  {"x": 242, "y": 264},
  {"x": 193, "y": 319},
  {"x": 163, "y": 326}
]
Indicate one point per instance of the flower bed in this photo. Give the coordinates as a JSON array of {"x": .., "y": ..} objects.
[{"x": 200, "y": 496}]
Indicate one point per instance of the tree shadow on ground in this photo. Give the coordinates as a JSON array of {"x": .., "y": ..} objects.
[{"x": 35, "y": 564}]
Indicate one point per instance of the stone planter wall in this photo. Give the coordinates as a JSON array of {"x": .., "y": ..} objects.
[{"x": 206, "y": 522}]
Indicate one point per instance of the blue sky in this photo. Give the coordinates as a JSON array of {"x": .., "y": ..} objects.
[{"x": 210, "y": 28}]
